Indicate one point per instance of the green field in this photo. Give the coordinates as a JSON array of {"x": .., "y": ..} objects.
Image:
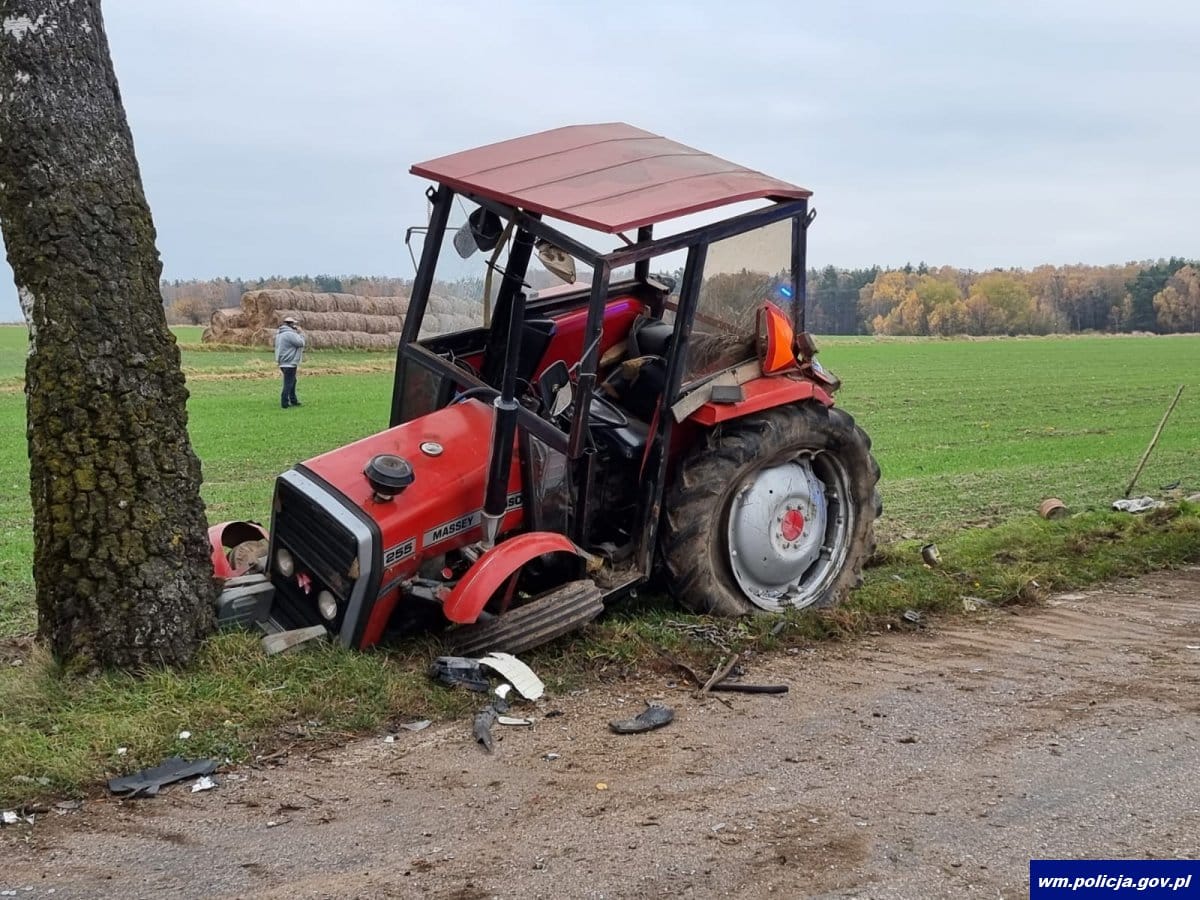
[{"x": 967, "y": 432}]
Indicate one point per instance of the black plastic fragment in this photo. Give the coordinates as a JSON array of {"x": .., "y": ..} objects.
[
  {"x": 147, "y": 782},
  {"x": 655, "y": 715},
  {"x": 459, "y": 670}
]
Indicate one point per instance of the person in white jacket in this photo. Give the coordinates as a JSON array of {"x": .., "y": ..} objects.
[{"x": 289, "y": 353}]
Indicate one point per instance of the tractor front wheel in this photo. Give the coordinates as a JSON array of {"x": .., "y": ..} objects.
[
  {"x": 537, "y": 622},
  {"x": 771, "y": 512}
]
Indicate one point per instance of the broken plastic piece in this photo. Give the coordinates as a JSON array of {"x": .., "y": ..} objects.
[
  {"x": 203, "y": 784},
  {"x": 456, "y": 670},
  {"x": 517, "y": 673},
  {"x": 1137, "y": 505},
  {"x": 513, "y": 720},
  {"x": 482, "y": 728},
  {"x": 417, "y": 726},
  {"x": 655, "y": 715},
  {"x": 147, "y": 782},
  {"x": 286, "y": 640}
]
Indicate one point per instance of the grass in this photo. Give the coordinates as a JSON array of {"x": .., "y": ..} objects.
[{"x": 968, "y": 433}]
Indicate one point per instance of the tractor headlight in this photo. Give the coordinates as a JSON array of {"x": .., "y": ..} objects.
[
  {"x": 284, "y": 563},
  {"x": 327, "y": 605}
]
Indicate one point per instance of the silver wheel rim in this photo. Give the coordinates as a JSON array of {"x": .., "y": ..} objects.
[{"x": 788, "y": 530}]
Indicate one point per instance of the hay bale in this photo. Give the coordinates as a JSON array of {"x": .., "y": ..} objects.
[
  {"x": 266, "y": 306},
  {"x": 343, "y": 321},
  {"x": 222, "y": 321}
]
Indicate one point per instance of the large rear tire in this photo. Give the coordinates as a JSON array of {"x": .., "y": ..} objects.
[
  {"x": 535, "y": 623},
  {"x": 772, "y": 512}
]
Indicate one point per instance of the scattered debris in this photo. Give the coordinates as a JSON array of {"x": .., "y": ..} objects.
[
  {"x": 65, "y": 806},
  {"x": 778, "y": 627},
  {"x": 203, "y": 784},
  {"x": 503, "y": 691},
  {"x": 930, "y": 554},
  {"x": 389, "y": 739},
  {"x": 184, "y": 735},
  {"x": 121, "y": 751},
  {"x": 714, "y": 634},
  {"x": 458, "y": 670},
  {"x": 12, "y": 817},
  {"x": 482, "y": 728},
  {"x": 517, "y": 673},
  {"x": 551, "y": 757},
  {"x": 417, "y": 726},
  {"x": 554, "y": 714},
  {"x": 913, "y": 617},
  {"x": 723, "y": 669},
  {"x": 147, "y": 782},
  {"x": 909, "y": 739},
  {"x": 601, "y": 786},
  {"x": 1192, "y": 646},
  {"x": 655, "y": 715},
  {"x": 1137, "y": 505},
  {"x": 286, "y": 640},
  {"x": 974, "y": 604},
  {"x": 682, "y": 667},
  {"x": 513, "y": 720},
  {"x": 740, "y": 688},
  {"x": 1053, "y": 508}
]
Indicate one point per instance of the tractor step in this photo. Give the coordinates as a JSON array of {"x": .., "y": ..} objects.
[{"x": 537, "y": 622}]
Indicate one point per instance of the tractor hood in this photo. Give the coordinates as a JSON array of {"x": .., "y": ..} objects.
[{"x": 446, "y": 453}]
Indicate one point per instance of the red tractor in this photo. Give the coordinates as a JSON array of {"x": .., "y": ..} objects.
[{"x": 553, "y": 451}]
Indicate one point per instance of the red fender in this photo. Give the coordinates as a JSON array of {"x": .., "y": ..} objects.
[
  {"x": 492, "y": 569},
  {"x": 760, "y": 394}
]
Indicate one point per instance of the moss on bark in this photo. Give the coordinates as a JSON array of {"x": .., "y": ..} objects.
[{"x": 121, "y": 557}]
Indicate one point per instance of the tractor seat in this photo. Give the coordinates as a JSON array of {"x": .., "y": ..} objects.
[
  {"x": 636, "y": 384},
  {"x": 650, "y": 337}
]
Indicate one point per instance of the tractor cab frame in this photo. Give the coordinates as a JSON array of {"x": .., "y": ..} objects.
[{"x": 539, "y": 449}]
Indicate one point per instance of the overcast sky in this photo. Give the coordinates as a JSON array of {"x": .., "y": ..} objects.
[{"x": 274, "y": 136}]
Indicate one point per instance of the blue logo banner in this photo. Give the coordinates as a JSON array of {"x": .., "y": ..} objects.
[{"x": 1057, "y": 878}]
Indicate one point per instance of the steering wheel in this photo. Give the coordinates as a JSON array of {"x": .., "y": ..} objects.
[{"x": 606, "y": 413}]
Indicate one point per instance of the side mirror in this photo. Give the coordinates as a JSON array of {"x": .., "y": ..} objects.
[
  {"x": 556, "y": 389},
  {"x": 481, "y": 231},
  {"x": 557, "y": 262}
]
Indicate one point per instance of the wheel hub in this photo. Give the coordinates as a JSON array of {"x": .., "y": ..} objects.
[{"x": 791, "y": 526}]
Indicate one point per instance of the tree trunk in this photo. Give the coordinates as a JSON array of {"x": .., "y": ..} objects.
[{"x": 121, "y": 557}]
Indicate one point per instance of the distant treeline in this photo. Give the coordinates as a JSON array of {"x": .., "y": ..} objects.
[{"x": 1160, "y": 296}]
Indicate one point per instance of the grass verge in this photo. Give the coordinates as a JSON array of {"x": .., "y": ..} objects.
[{"x": 62, "y": 737}]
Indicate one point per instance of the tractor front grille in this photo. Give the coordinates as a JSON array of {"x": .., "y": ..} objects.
[{"x": 324, "y": 552}]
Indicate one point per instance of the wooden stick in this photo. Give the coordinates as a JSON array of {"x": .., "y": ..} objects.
[
  {"x": 1153, "y": 441},
  {"x": 723, "y": 669}
]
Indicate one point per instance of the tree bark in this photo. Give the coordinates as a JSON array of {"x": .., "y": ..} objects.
[{"x": 121, "y": 557}]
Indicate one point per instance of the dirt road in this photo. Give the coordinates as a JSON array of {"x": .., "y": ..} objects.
[{"x": 927, "y": 764}]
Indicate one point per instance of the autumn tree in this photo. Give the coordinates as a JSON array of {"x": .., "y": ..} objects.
[
  {"x": 121, "y": 559},
  {"x": 1178, "y": 304}
]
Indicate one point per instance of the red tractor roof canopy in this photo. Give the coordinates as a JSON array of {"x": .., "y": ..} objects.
[{"x": 610, "y": 177}]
